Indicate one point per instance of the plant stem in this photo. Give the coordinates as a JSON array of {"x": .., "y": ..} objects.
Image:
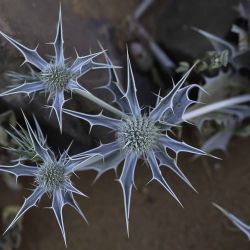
[
  {"x": 100, "y": 103},
  {"x": 216, "y": 106}
]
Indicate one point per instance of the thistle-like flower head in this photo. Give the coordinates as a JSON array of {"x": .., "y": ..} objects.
[
  {"x": 51, "y": 175},
  {"x": 56, "y": 76},
  {"x": 139, "y": 134}
]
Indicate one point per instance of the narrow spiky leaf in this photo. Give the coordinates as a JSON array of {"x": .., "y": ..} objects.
[
  {"x": 83, "y": 64},
  {"x": 181, "y": 102},
  {"x": 28, "y": 203},
  {"x": 69, "y": 187},
  {"x": 26, "y": 88},
  {"x": 19, "y": 169},
  {"x": 31, "y": 56},
  {"x": 178, "y": 146},
  {"x": 58, "y": 43},
  {"x": 115, "y": 88},
  {"x": 93, "y": 120},
  {"x": 169, "y": 162},
  {"x": 131, "y": 91},
  {"x": 57, "y": 106},
  {"x": 157, "y": 175},
  {"x": 106, "y": 157},
  {"x": 70, "y": 200},
  {"x": 127, "y": 180},
  {"x": 167, "y": 101},
  {"x": 102, "y": 150},
  {"x": 57, "y": 206},
  {"x": 73, "y": 85}
]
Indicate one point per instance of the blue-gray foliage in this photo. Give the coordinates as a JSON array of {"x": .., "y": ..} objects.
[
  {"x": 139, "y": 134},
  {"x": 51, "y": 175}
]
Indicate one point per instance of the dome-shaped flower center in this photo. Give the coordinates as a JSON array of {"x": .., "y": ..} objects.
[
  {"x": 138, "y": 135},
  {"x": 51, "y": 176},
  {"x": 56, "y": 76}
]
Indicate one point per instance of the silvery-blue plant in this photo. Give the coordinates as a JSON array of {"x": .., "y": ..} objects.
[
  {"x": 237, "y": 222},
  {"x": 51, "y": 175},
  {"x": 140, "y": 134},
  {"x": 57, "y": 76}
]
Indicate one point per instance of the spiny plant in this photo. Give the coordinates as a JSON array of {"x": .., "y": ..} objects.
[
  {"x": 143, "y": 133},
  {"x": 56, "y": 76},
  {"x": 140, "y": 133},
  {"x": 51, "y": 175}
]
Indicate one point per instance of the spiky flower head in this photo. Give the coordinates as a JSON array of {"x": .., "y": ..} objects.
[
  {"x": 51, "y": 175},
  {"x": 139, "y": 135},
  {"x": 56, "y": 76}
]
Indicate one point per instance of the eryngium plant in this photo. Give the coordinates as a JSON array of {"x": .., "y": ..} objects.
[
  {"x": 56, "y": 76},
  {"x": 51, "y": 175},
  {"x": 139, "y": 134}
]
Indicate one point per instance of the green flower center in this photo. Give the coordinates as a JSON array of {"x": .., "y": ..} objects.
[
  {"x": 138, "y": 135},
  {"x": 57, "y": 77},
  {"x": 51, "y": 176}
]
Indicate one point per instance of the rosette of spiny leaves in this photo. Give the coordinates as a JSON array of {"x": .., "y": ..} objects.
[
  {"x": 51, "y": 175},
  {"x": 54, "y": 77},
  {"x": 237, "y": 222},
  {"x": 140, "y": 134}
]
